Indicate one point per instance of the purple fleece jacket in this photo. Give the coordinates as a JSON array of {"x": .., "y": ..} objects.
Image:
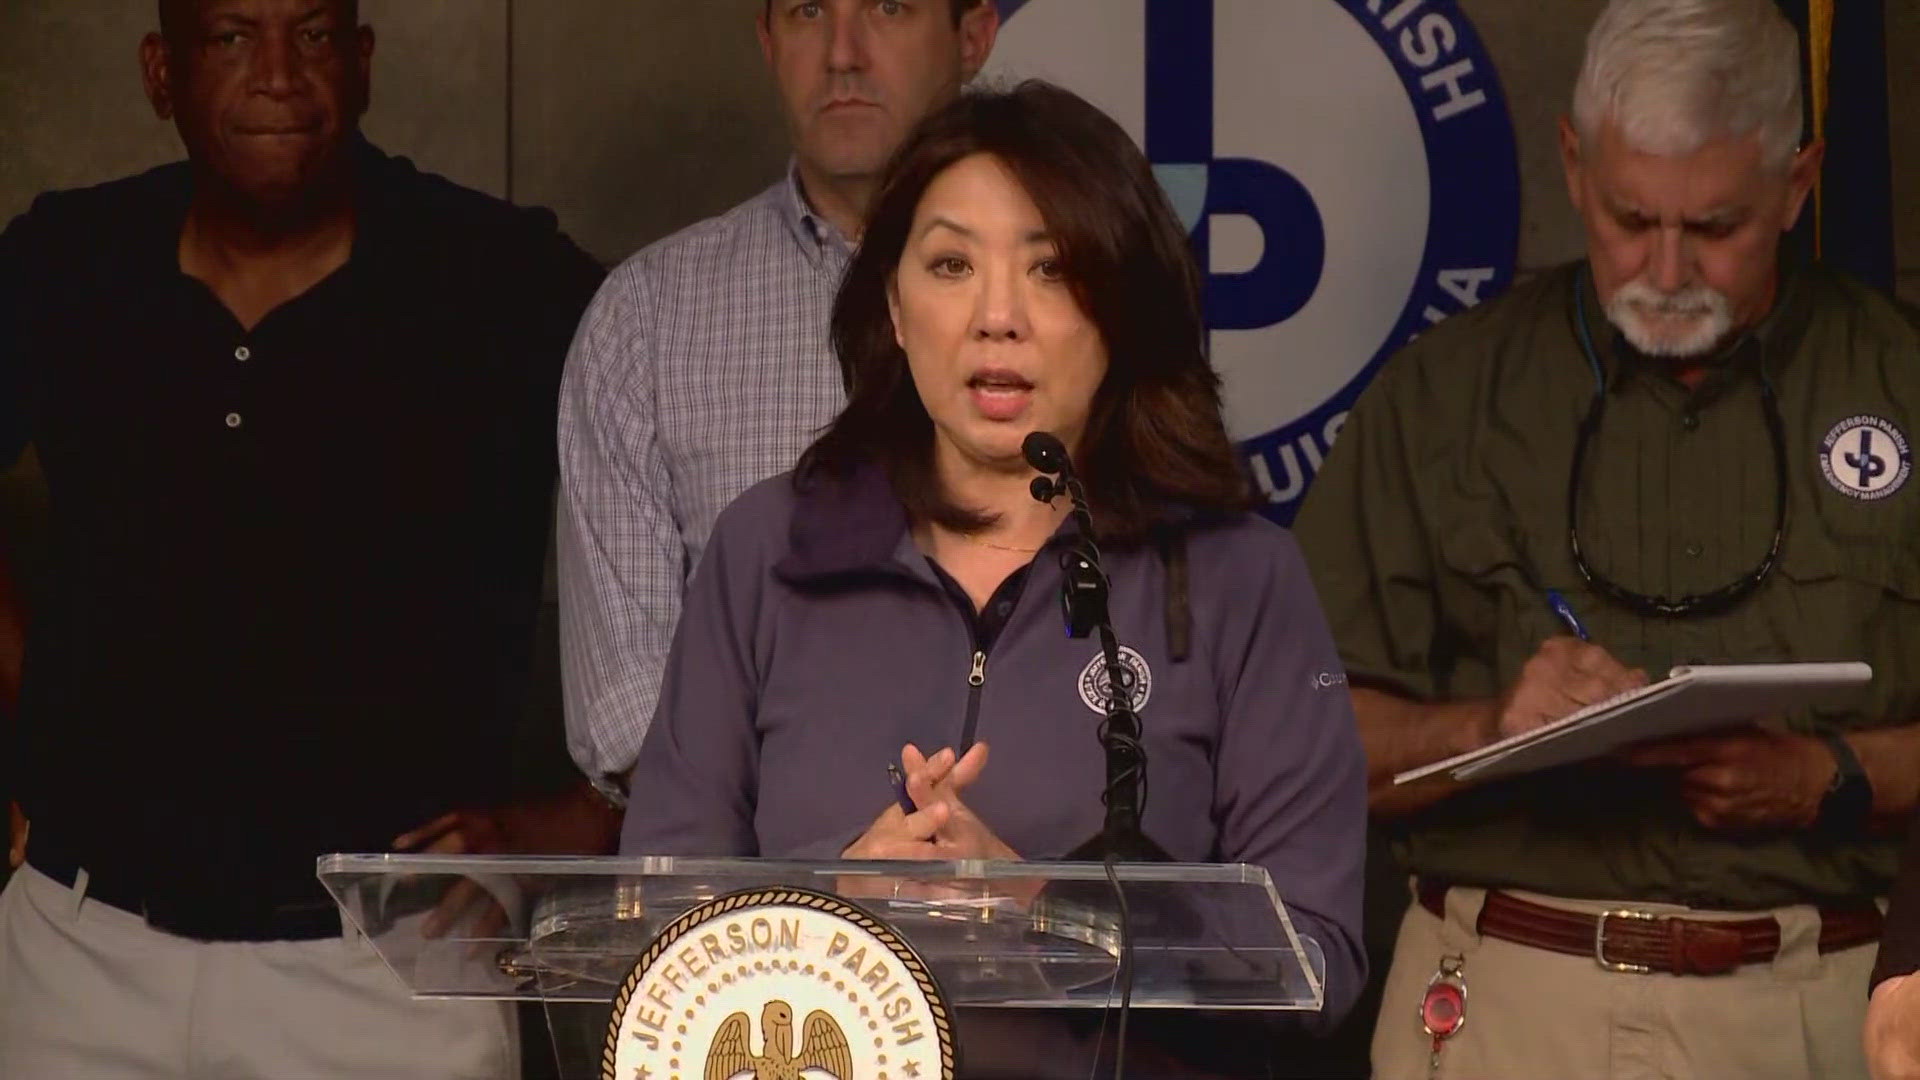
[{"x": 816, "y": 640}]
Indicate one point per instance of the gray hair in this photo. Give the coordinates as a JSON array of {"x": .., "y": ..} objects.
[{"x": 1676, "y": 74}]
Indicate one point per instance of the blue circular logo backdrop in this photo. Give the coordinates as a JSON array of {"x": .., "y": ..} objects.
[{"x": 1346, "y": 169}]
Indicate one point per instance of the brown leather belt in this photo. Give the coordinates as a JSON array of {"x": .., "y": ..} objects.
[{"x": 1640, "y": 942}]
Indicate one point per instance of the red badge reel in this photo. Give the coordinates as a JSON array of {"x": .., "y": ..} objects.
[{"x": 1443, "y": 1008}]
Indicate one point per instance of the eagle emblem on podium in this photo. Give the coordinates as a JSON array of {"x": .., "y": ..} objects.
[
  {"x": 823, "y": 1046},
  {"x": 719, "y": 993}
]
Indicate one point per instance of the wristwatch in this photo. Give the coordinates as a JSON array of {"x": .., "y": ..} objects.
[{"x": 1849, "y": 799}]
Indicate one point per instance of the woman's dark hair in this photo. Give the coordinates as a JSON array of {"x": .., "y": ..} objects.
[{"x": 1154, "y": 439}]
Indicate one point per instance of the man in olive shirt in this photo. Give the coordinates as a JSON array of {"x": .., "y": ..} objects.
[{"x": 1697, "y": 400}]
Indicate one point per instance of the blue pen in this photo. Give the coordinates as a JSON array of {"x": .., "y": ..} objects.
[
  {"x": 1565, "y": 610},
  {"x": 900, "y": 796}
]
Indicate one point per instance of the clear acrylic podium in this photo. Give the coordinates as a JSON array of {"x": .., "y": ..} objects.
[{"x": 1011, "y": 935}]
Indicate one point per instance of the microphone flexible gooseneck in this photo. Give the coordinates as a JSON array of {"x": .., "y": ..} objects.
[{"x": 1084, "y": 594}]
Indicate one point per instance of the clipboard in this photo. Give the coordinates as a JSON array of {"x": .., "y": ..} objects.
[{"x": 1691, "y": 699}]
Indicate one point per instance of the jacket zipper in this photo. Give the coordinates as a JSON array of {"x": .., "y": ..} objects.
[
  {"x": 976, "y": 678},
  {"x": 977, "y": 660}
]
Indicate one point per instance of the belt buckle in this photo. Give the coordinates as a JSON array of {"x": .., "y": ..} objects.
[{"x": 1600, "y": 941}]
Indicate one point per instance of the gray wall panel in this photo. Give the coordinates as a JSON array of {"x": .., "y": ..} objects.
[
  {"x": 1537, "y": 49},
  {"x": 440, "y": 86},
  {"x": 634, "y": 118},
  {"x": 71, "y": 109}
]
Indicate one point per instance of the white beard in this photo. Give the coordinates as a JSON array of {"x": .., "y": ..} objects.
[{"x": 1686, "y": 324}]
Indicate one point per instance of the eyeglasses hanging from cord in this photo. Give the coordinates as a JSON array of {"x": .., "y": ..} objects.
[{"x": 1692, "y": 605}]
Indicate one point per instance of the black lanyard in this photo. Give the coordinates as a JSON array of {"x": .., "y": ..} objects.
[{"x": 1694, "y": 604}]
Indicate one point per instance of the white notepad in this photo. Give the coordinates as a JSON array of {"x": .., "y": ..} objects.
[{"x": 1690, "y": 699}]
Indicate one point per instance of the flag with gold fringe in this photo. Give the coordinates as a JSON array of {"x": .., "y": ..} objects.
[{"x": 1849, "y": 221}]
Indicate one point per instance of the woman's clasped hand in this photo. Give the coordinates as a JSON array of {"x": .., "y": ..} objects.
[{"x": 941, "y": 825}]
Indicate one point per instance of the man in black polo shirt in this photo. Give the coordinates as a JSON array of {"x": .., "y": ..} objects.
[{"x": 295, "y": 404}]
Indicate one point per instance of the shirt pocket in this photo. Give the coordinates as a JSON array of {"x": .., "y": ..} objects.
[{"x": 1853, "y": 602}]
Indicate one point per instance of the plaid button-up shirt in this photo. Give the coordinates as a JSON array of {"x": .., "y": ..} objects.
[{"x": 703, "y": 366}]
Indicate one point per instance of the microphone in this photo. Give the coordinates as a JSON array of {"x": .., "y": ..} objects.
[
  {"x": 1046, "y": 453},
  {"x": 1083, "y": 588},
  {"x": 1048, "y": 456}
]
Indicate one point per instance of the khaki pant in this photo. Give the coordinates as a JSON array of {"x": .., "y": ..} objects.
[
  {"x": 90, "y": 991},
  {"x": 1538, "y": 1015}
]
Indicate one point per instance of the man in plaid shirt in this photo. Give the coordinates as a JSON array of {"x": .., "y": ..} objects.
[{"x": 704, "y": 364}]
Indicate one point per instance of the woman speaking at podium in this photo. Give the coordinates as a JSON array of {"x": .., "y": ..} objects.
[{"x": 900, "y": 590}]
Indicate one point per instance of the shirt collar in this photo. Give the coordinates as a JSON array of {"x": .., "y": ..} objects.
[
  {"x": 854, "y": 526},
  {"x": 161, "y": 228},
  {"x": 1767, "y": 347},
  {"x": 815, "y": 234},
  {"x": 843, "y": 526},
  {"x": 377, "y": 216}
]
